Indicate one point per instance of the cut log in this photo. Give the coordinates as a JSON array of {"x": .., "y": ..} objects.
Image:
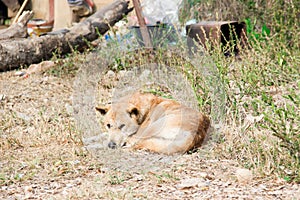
[
  {"x": 19, "y": 29},
  {"x": 22, "y": 52}
]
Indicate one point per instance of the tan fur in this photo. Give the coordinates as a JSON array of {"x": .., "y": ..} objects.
[{"x": 145, "y": 121}]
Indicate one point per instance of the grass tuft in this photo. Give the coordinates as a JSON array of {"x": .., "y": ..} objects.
[{"x": 262, "y": 86}]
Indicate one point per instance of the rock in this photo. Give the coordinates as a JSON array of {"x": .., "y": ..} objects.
[
  {"x": 20, "y": 73},
  {"x": 244, "y": 175},
  {"x": 138, "y": 177},
  {"x": 110, "y": 74},
  {"x": 28, "y": 192},
  {"x": 122, "y": 73},
  {"x": 203, "y": 174},
  {"x": 41, "y": 67},
  {"x": 190, "y": 183}
]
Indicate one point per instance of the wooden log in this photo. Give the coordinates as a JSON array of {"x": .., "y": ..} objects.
[
  {"x": 19, "y": 29},
  {"x": 22, "y": 52}
]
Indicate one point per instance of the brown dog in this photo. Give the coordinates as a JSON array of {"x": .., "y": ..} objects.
[{"x": 145, "y": 121}]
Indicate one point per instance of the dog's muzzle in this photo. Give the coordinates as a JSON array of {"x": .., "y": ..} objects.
[{"x": 112, "y": 145}]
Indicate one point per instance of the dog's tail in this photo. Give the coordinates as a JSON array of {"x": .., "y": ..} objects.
[{"x": 204, "y": 124}]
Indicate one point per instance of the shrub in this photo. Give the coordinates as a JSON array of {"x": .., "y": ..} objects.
[{"x": 262, "y": 86}]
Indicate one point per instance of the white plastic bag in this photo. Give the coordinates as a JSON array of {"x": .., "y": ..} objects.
[{"x": 165, "y": 11}]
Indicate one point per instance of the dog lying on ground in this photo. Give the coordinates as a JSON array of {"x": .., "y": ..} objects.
[{"x": 145, "y": 121}]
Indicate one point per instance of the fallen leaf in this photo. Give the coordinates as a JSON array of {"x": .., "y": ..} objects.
[{"x": 189, "y": 183}]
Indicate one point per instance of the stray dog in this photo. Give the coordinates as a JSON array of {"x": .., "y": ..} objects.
[{"x": 145, "y": 121}]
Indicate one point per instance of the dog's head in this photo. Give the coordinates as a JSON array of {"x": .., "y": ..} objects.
[
  {"x": 121, "y": 121},
  {"x": 123, "y": 118}
]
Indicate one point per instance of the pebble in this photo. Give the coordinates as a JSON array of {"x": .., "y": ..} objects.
[
  {"x": 244, "y": 175},
  {"x": 20, "y": 73},
  {"x": 190, "y": 183},
  {"x": 110, "y": 74},
  {"x": 203, "y": 174}
]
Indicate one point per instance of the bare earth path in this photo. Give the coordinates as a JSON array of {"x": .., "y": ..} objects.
[{"x": 42, "y": 156}]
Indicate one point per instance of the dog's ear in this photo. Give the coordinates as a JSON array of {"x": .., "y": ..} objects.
[
  {"x": 136, "y": 113},
  {"x": 103, "y": 109},
  {"x": 133, "y": 112}
]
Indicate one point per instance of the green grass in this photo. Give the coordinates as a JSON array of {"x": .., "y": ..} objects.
[
  {"x": 255, "y": 87},
  {"x": 260, "y": 86},
  {"x": 263, "y": 85}
]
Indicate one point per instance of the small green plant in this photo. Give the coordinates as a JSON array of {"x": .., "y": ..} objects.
[
  {"x": 3, "y": 179},
  {"x": 253, "y": 35},
  {"x": 116, "y": 179},
  {"x": 166, "y": 177}
]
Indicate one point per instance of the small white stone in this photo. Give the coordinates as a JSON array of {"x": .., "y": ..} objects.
[
  {"x": 189, "y": 183},
  {"x": 110, "y": 74},
  {"x": 244, "y": 175},
  {"x": 203, "y": 174}
]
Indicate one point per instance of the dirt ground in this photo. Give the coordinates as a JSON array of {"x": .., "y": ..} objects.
[{"x": 42, "y": 156}]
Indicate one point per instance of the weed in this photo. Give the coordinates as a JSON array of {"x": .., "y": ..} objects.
[
  {"x": 262, "y": 87},
  {"x": 116, "y": 179},
  {"x": 253, "y": 36},
  {"x": 165, "y": 177},
  {"x": 2, "y": 179}
]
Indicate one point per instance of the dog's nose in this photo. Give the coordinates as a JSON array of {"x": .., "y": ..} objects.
[{"x": 112, "y": 145}]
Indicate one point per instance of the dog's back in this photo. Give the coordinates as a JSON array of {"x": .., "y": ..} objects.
[{"x": 170, "y": 127}]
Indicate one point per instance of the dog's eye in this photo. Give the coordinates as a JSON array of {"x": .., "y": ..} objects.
[
  {"x": 121, "y": 126},
  {"x": 108, "y": 126}
]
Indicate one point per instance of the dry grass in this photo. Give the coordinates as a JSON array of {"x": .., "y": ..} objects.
[
  {"x": 264, "y": 111},
  {"x": 262, "y": 86},
  {"x": 42, "y": 154},
  {"x": 253, "y": 103}
]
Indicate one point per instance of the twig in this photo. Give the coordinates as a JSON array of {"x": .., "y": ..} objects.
[{"x": 20, "y": 11}]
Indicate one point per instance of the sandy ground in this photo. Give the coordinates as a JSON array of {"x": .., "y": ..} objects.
[{"x": 42, "y": 156}]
